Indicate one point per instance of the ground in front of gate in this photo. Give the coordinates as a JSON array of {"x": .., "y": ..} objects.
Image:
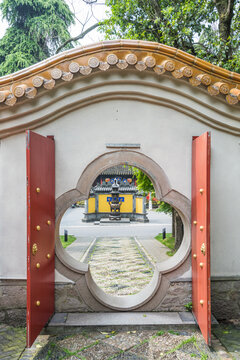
[{"x": 136, "y": 344}]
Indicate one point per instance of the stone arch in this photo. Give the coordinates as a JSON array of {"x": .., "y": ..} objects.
[{"x": 80, "y": 272}]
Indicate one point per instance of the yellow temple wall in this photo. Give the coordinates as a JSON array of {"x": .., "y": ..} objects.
[
  {"x": 139, "y": 205},
  {"x": 91, "y": 205},
  {"x": 103, "y": 204},
  {"x": 127, "y": 204},
  {"x": 126, "y": 207}
]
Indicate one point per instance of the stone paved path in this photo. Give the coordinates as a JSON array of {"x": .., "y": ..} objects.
[
  {"x": 12, "y": 342},
  {"x": 130, "y": 345},
  {"x": 229, "y": 335},
  {"x": 112, "y": 345},
  {"x": 155, "y": 250},
  {"x": 119, "y": 266},
  {"x": 79, "y": 247}
]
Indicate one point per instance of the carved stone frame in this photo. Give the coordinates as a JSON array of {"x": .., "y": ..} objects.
[{"x": 150, "y": 297}]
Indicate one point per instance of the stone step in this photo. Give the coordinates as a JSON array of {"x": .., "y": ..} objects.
[
  {"x": 106, "y": 221},
  {"x": 68, "y": 322}
]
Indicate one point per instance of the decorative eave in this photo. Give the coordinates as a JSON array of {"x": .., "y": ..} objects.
[{"x": 120, "y": 54}]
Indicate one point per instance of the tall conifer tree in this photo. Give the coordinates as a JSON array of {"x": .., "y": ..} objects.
[{"x": 36, "y": 29}]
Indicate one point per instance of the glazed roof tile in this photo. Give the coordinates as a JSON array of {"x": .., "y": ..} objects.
[
  {"x": 120, "y": 170},
  {"x": 119, "y": 54}
]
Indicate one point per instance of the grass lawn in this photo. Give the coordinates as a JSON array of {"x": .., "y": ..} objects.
[
  {"x": 169, "y": 242},
  {"x": 71, "y": 239}
]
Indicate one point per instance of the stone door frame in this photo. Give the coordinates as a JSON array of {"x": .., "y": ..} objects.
[{"x": 155, "y": 291}]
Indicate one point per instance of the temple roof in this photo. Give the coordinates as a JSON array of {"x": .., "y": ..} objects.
[
  {"x": 108, "y": 189},
  {"x": 120, "y": 170},
  {"x": 119, "y": 54}
]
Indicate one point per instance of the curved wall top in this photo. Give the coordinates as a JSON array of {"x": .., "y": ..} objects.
[
  {"x": 143, "y": 55},
  {"x": 18, "y": 90}
]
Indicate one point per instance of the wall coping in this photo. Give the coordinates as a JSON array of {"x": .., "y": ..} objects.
[{"x": 119, "y": 54}]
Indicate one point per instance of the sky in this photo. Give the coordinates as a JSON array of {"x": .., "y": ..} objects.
[{"x": 85, "y": 14}]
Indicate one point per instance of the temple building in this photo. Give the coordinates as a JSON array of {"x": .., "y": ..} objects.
[{"x": 133, "y": 203}]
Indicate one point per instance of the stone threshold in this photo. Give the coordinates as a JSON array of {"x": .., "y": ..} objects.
[
  {"x": 122, "y": 320},
  {"x": 105, "y": 222}
]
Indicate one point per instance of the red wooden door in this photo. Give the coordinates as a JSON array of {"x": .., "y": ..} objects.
[
  {"x": 201, "y": 151},
  {"x": 40, "y": 232}
]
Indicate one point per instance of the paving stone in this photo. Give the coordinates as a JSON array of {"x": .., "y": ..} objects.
[
  {"x": 128, "y": 339},
  {"x": 170, "y": 346},
  {"x": 229, "y": 336},
  {"x": 128, "y": 356},
  {"x": 116, "y": 273},
  {"x": 76, "y": 342},
  {"x": 51, "y": 352},
  {"x": 12, "y": 342},
  {"x": 39, "y": 343},
  {"x": 100, "y": 351}
]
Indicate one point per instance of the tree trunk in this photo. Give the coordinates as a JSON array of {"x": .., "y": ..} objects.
[
  {"x": 178, "y": 231},
  {"x": 225, "y": 13},
  {"x": 173, "y": 221}
]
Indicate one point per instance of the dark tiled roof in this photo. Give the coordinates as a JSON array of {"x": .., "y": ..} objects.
[
  {"x": 120, "y": 170},
  {"x": 107, "y": 189}
]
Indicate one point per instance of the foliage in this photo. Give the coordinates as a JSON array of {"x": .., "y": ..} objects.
[
  {"x": 169, "y": 241},
  {"x": 143, "y": 182},
  {"x": 164, "y": 207},
  {"x": 188, "y": 306},
  {"x": 145, "y": 185},
  {"x": 204, "y": 28},
  {"x": 36, "y": 29},
  {"x": 65, "y": 244}
]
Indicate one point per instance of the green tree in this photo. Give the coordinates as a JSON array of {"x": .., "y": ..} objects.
[
  {"x": 145, "y": 184},
  {"x": 208, "y": 29},
  {"x": 36, "y": 29}
]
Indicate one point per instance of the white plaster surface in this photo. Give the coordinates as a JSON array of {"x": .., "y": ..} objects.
[
  {"x": 13, "y": 213},
  {"x": 165, "y": 135}
]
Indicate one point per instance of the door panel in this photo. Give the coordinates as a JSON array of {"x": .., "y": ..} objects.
[
  {"x": 40, "y": 232},
  {"x": 201, "y": 147}
]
